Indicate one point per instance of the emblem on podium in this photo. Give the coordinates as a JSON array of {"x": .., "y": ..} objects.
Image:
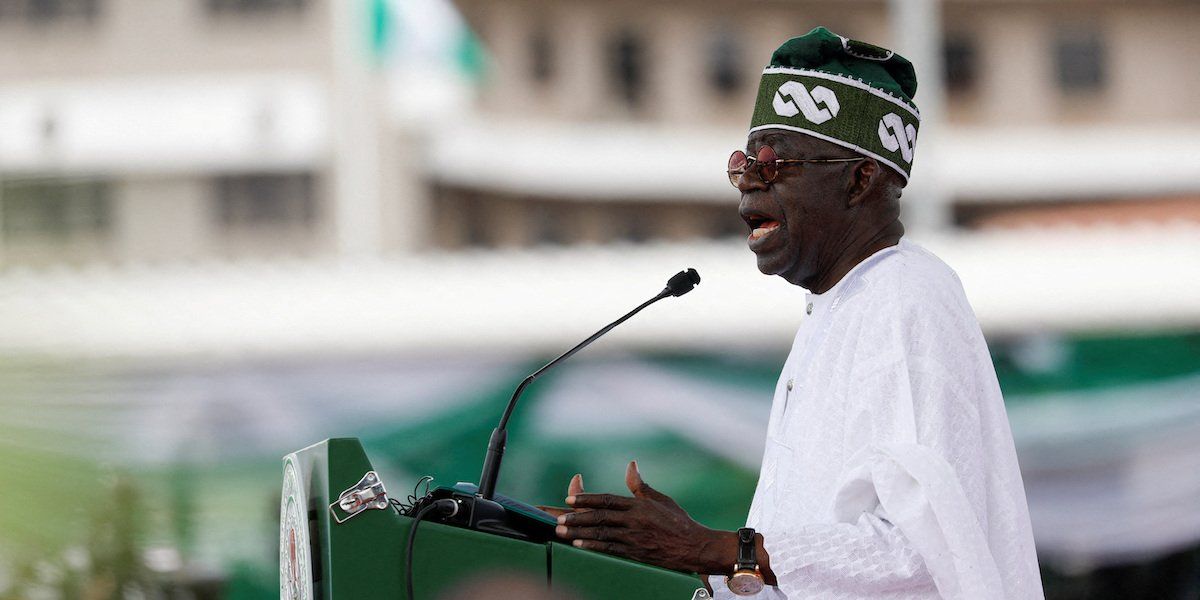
[{"x": 295, "y": 562}]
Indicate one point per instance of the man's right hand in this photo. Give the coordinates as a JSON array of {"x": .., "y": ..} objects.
[{"x": 573, "y": 489}]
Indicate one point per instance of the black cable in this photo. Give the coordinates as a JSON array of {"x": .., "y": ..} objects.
[
  {"x": 417, "y": 495},
  {"x": 448, "y": 508},
  {"x": 401, "y": 508},
  {"x": 405, "y": 509}
]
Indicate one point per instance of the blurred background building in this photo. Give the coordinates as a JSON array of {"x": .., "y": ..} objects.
[
  {"x": 231, "y": 228},
  {"x": 239, "y": 123}
]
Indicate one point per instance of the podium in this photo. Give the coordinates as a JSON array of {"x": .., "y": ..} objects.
[{"x": 325, "y": 555}]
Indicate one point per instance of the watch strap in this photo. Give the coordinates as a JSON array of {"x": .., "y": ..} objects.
[{"x": 747, "y": 556}]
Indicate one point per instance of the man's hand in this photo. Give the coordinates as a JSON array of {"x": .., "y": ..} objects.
[{"x": 650, "y": 527}]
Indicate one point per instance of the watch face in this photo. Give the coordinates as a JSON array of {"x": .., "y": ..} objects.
[{"x": 745, "y": 583}]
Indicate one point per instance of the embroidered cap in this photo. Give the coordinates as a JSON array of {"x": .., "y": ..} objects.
[{"x": 844, "y": 91}]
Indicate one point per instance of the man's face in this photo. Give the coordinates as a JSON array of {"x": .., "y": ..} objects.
[{"x": 799, "y": 222}]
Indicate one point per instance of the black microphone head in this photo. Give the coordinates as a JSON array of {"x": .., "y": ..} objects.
[{"x": 682, "y": 282}]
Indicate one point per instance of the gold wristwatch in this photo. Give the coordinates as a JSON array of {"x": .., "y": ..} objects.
[{"x": 746, "y": 579}]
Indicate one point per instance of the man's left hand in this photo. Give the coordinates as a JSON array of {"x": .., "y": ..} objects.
[{"x": 650, "y": 528}]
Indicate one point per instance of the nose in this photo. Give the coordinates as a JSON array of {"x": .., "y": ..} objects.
[{"x": 751, "y": 180}]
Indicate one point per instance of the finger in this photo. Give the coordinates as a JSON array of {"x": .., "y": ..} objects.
[
  {"x": 554, "y": 510},
  {"x": 599, "y": 532},
  {"x": 576, "y": 486},
  {"x": 613, "y": 548},
  {"x": 633, "y": 479},
  {"x": 595, "y": 517},
  {"x": 641, "y": 489},
  {"x": 609, "y": 501}
]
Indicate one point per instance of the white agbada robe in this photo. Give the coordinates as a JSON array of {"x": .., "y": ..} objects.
[{"x": 889, "y": 469}]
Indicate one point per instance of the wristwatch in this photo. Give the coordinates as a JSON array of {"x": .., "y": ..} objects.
[{"x": 746, "y": 580}]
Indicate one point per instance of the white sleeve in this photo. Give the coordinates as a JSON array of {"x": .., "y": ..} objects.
[
  {"x": 924, "y": 500},
  {"x": 865, "y": 557},
  {"x": 903, "y": 528}
]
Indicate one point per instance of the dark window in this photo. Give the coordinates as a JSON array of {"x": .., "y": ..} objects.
[
  {"x": 549, "y": 223},
  {"x": 254, "y": 6},
  {"x": 476, "y": 232},
  {"x": 627, "y": 67},
  {"x": 634, "y": 224},
  {"x": 961, "y": 61},
  {"x": 725, "y": 63},
  {"x": 1079, "y": 57},
  {"x": 266, "y": 200},
  {"x": 541, "y": 56},
  {"x": 55, "y": 207},
  {"x": 45, "y": 11}
]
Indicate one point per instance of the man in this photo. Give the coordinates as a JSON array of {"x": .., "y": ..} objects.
[{"x": 889, "y": 469}]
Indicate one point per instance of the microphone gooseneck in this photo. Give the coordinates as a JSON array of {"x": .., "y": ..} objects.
[{"x": 679, "y": 284}]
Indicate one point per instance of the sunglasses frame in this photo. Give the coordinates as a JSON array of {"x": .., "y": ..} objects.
[{"x": 754, "y": 163}]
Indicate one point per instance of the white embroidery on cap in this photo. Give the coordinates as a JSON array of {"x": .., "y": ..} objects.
[{"x": 800, "y": 100}]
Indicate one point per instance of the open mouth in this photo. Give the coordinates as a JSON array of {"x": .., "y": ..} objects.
[{"x": 760, "y": 226}]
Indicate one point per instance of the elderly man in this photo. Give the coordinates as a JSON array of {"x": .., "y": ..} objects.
[{"x": 889, "y": 469}]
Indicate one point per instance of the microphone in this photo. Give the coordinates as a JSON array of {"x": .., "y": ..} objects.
[
  {"x": 678, "y": 285},
  {"x": 682, "y": 282}
]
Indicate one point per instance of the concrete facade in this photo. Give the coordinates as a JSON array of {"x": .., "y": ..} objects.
[
  {"x": 159, "y": 101},
  {"x": 1010, "y": 51},
  {"x": 1148, "y": 49}
]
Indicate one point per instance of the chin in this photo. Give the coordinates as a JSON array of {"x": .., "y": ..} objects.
[
  {"x": 774, "y": 265},
  {"x": 767, "y": 267}
]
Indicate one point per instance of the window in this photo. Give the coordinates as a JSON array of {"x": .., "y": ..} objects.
[
  {"x": 548, "y": 223},
  {"x": 961, "y": 63},
  {"x": 469, "y": 217},
  {"x": 725, "y": 72},
  {"x": 58, "y": 208},
  {"x": 254, "y": 6},
  {"x": 266, "y": 200},
  {"x": 1079, "y": 57},
  {"x": 627, "y": 67},
  {"x": 45, "y": 11},
  {"x": 635, "y": 224},
  {"x": 541, "y": 56}
]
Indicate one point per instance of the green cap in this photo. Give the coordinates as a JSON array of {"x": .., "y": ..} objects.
[{"x": 844, "y": 91}]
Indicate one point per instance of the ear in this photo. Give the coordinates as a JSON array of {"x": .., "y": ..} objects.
[{"x": 865, "y": 177}]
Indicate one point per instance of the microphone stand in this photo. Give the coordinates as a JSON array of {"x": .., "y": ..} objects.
[
  {"x": 679, "y": 284},
  {"x": 495, "y": 450},
  {"x": 481, "y": 511}
]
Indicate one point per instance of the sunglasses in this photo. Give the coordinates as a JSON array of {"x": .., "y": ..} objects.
[{"x": 767, "y": 164}]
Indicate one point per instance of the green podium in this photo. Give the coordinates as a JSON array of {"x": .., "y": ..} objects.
[{"x": 325, "y": 553}]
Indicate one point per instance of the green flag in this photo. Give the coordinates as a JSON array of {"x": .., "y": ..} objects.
[{"x": 382, "y": 29}]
